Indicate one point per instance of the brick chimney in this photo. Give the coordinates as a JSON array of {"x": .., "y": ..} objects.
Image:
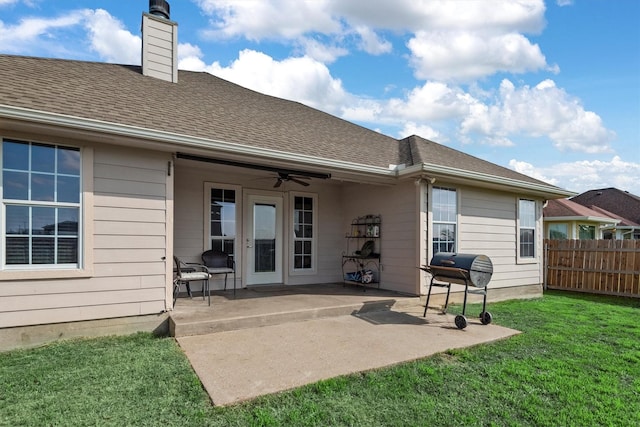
[{"x": 159, "y": 43}]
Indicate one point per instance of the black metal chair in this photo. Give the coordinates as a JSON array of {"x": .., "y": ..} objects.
[
  {"x": 186, "y": 273},
  {"x": 218, "y": 262}
]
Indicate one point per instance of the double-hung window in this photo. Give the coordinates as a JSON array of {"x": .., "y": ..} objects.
[
  {"x": 304, "y": 223},
  {"x": 41, "y": 205},
  {"x": 445, "y": 219},
  {"x": 527, "y": 228},
  {"x": 222, "y": 203}
]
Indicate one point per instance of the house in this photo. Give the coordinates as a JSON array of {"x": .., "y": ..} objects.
[
  {"x": 138, "y": 164},
  {"x": 622, "y": 204},
  {"x": 565, "y": 219}
]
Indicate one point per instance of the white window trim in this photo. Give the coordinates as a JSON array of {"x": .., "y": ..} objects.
[
  {"x": 314, "y": 243},
  {"x": 85, "y": 268},
  {"x": 208, "y": 186},
  {"x": 536, "y": 245},
  {"x": 431, "y": 220}
]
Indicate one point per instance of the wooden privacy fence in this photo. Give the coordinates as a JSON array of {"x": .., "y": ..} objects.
[{"x": 597, "y": 266}]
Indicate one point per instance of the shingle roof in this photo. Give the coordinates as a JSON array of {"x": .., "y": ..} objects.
[
  {"x": 199, "y": 105},
  {"x": 204, "y": 106},
  {"x": 567, "y": 208},
  {"x": 621, "y": 203},
  {"x": 425, "y": 151}
]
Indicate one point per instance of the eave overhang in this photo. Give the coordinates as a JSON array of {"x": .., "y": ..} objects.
[
  {"x": 434, "y": 173},
  {"x": 29, "y": 120},
  {"x": 576, "y": 218},
  {"x": 26, "y": 120}
]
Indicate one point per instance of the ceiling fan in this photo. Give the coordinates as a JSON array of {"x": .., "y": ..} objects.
[{"x": 283, "y": 176}]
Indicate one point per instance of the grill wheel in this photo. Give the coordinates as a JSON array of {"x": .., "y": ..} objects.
[
  {"x": 485, "y": 317},
  {"x": 461, "y": 321}
]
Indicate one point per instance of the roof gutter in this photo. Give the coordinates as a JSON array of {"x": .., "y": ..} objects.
[
  {"x": 582, "y": 218},
  {"x": 230, "y": 148},
  {"x": 433, "y": 172}
]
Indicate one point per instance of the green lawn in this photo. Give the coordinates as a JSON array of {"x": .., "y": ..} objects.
[{"x": 576, "y": 364}]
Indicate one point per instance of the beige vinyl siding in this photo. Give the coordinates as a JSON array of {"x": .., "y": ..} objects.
[
  {"x": 397, "y": 205},
  {"x": 159, "y": 48},
  {"x": 128, "y": 236},
  {"x": 488, "y": 226}
]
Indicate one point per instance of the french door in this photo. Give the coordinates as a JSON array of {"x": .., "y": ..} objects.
[{"x": 263, "y": 238}]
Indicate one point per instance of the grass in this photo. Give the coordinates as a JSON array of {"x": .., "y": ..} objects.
[{"x": 577, "y": 363}]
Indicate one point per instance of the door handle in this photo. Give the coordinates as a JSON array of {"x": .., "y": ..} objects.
[{"x": 249, "y": 245}]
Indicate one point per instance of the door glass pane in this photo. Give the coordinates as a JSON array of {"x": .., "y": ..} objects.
[{"x": 264, "y": 237}]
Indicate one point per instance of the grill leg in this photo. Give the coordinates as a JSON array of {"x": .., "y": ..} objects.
[
  {"x": 446, "y": 303},
  {"x": 484, "y": 301},
  {"x": 464, "y": 305},
  {"x": 428, "y": 297}
]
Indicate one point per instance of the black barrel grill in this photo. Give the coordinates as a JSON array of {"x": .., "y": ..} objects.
[{"x": 463, "y": 269}]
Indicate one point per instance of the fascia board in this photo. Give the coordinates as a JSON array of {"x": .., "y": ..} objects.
[
  {"x": 207, "y": 144},
  {"x": 437, "y": 171},
  {"x": 581, "y": 219}
]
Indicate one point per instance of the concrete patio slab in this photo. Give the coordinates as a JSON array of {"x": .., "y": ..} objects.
[{"x": 243, "y": 364}]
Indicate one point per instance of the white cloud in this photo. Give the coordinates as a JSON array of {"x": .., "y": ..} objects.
[
  {"x": 542, "y": 110},
  {"x": 467, "y": 56},
  {"x": 301, "y": 79},
  {"x": 106, "y": 35},
  {"x": 434, "y": 101},
  {"x": 586, "y": 175},
  {"x": 258, "y": 19},
  {"x": 371, "y": 42},
  {"x": 321, "y": 52},
  {"x": 411, "y": 128},
  {"x": 31, "y": 31},
  {"x": 452, "y": 40},
  {"x": 110, "y": 39}
]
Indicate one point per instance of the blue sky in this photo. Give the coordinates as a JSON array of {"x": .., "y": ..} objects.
[{"x": 550, "y": 89}]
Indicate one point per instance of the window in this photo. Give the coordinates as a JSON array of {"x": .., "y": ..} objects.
[
  {"x": 558, "y": 231},
  {"x": 445, "y": 219},
  {"x": 586, "y": 232},
  {"x": 304, "y": 222},
  {"x": 41, "y": 204},
  {"x": 222, "y": 206},
  {"x": 527, "y": 225}
]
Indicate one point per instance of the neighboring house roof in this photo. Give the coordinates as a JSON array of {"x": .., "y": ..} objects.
[
  {"x": 563, "y": 209},
  {"x": 621, "y": 203},
  {"x": 623, "y": 221},
  {"x": 205, "y": 112}
]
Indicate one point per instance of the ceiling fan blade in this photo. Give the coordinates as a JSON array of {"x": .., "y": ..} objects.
[
  {"x": 297, "y": 181},
  {"x": 278, "y": 183}
]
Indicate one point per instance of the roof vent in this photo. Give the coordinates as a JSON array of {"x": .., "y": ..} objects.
[{"x": 159, "y": 8}]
